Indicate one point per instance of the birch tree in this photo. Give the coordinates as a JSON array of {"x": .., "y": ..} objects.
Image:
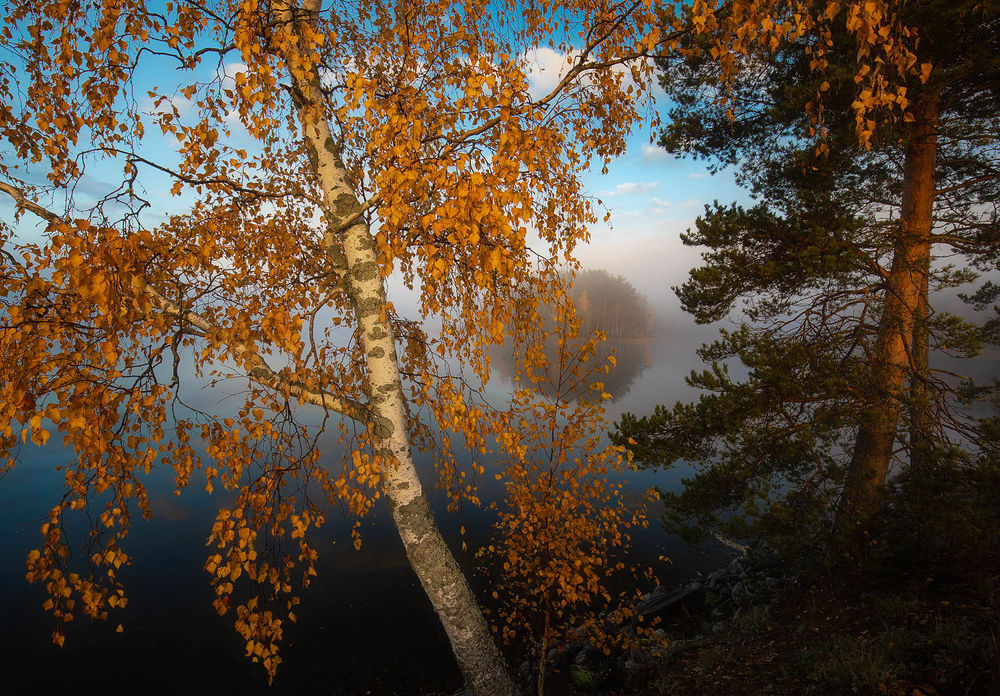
[{"x": 314, "y": 151}]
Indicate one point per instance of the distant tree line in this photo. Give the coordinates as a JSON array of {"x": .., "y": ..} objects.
[
  {"x": 606, "y": 303},
  {"x": 610, "y": 303}
]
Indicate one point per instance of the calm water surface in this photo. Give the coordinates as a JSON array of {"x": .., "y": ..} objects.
[{"x": 365, "y": 626}]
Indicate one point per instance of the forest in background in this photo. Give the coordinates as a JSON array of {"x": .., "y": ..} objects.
[{"x": 609, "y": 304}]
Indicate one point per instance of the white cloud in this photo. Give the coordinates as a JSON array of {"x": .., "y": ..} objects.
[
  {"x": 660, "y": 207},
  {"x": 635, "y": 187},
  {"x": 652, "y": 153},
  {"x": 698, "y": 175},
  {"x": 544, "y": 68},
  {"x": 228, "y": 73}
]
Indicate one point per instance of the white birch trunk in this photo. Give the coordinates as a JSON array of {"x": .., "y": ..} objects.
[{"x": 352, "y": 251}]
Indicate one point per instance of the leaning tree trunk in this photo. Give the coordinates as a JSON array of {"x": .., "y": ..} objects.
[
  {"x": 352, "y": 254},
  {"x": 882, "y": 399}
]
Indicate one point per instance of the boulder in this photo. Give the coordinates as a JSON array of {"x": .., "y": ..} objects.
[
  {"x": 672, "y": 604},
  {"x": 587, "y": 655},
  {"x": 717, "y": 578}
]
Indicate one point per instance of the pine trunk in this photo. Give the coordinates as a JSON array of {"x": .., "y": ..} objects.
[
  {"x": 891, "y": 360},
  {"x": 921, "y": 422},
  {"x": 352, "y": 253}
]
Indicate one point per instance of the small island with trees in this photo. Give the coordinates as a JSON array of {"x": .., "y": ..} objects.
[{"x": 609, "y": 304}]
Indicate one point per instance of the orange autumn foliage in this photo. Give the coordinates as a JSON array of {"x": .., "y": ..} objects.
[
  {"x": 565, "y": 523},
  {"x": 451, "y": 163},
  {"x": 884, "y": 45},
  {"x": 440, "y": 158}
]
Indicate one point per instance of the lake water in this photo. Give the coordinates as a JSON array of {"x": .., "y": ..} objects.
[{"x": 365, "y": 626}]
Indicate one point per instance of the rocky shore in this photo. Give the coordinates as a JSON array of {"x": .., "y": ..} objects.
[{"x": 668, "y": 621}]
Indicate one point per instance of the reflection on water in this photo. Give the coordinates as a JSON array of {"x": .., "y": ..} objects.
[
  {"x": 364, "y": 626},
  {"x": 632, "y": 357}
]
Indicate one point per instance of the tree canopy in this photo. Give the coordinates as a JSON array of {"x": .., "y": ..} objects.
[
  {"x": 832, "y": 276},
  {"x": 264, "y": 167},
  {"x": 609, "y": 304},
  {"x": 311, "y": 152}
]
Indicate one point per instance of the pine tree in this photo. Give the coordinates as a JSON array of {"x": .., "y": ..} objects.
[{"x": 833, "y": 272}]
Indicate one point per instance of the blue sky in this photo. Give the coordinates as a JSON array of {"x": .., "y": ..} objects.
[{"x": 651, "y": 197}]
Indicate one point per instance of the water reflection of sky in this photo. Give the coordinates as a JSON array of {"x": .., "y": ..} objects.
[{"x": 364, "y": 625}]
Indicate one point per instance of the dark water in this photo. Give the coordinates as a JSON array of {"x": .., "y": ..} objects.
[{"x": 364, "y": 626}]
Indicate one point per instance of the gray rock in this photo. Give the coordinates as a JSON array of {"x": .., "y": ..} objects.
[
  {"x": 673, "y": 604},
  {"x": 524, "y": 671},
  {"x": 745, "y": 592},
  {"x": 586, "y": 655}
]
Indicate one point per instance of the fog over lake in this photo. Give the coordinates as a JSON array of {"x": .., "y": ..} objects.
[{"x": 363, "y": 625}]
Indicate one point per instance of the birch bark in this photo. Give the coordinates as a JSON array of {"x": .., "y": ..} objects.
[{"x": 352, "y": 251}]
